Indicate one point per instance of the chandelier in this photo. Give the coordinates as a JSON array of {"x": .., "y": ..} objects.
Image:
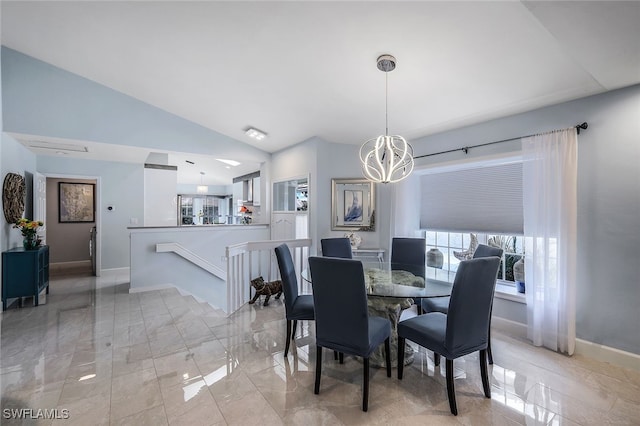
[
  {"x": 386, "y": 159},
  {"x": 202, "y": 188}
]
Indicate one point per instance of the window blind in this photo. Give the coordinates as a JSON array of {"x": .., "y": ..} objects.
[{"x": 484, "y": 199}]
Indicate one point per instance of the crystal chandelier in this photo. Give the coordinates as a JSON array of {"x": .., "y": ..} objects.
[{"x": 386, "y": 159}]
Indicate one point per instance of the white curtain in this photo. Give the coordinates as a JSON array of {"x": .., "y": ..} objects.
[{"x": 550, "y": 216}]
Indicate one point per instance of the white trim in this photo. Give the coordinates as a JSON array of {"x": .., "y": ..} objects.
[
  {"x": 508, "y": 292},
  {"x": 469, "y": 163},
  {"x": 192, "y": 257},
  {"x": 116, "y": 271},
  {"x": 512, "y": 328},
  {"x": 98, "y": 211},
  {"x": 151, "y": 288},
  {"x": 608, "y": 354},
  {"x": 583, "y": 347}
]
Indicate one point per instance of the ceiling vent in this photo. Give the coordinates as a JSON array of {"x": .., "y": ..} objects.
[{"x": 53, "y": 146}]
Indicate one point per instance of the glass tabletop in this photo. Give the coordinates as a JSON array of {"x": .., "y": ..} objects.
[{"x": 401, "y": 280}]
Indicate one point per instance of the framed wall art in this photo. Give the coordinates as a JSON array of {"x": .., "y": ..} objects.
[
  {"x": 76, "y": 202},
  {"x": 353, "y": 205}
]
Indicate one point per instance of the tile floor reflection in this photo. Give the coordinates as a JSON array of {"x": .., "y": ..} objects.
[{"x": 110, "y": 357}]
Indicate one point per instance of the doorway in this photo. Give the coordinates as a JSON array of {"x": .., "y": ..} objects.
[{"x": 72, "y": 222}]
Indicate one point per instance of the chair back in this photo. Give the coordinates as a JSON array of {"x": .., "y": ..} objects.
[
  {"x": 336, "y": 247},
  {"x": 411, "y": 253},
  {"x": 288, "y": 276},
  {"x": 486, "y": 251},
  {"x": 470, "y": 304},
  {"x": 340, "y": 303}
]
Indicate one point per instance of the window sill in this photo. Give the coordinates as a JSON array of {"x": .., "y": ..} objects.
[{"x": 508, "y": 292}]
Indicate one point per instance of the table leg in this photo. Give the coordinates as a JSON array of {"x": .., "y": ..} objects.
[{"x": 391, "y": 308}]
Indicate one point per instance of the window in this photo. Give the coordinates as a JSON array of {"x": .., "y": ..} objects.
[
  {"x": 452, "y": 243},
  {"x": 480, "y": 200}
]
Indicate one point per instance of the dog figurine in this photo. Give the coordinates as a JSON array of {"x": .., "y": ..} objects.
[{"x": 267, "y": 289}]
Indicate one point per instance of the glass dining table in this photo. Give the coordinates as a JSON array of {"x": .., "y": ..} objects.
[{"x": 394, "y": 287}]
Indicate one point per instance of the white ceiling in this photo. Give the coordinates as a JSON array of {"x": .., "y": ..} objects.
[
  {"x": 301, "y": 69},
  {"x": 190, "y": 166}
]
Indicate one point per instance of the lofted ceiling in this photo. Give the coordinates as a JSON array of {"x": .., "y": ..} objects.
[{"x": 301, "y": 69}]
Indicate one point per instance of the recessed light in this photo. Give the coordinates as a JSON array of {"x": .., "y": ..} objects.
[
  {"x": 254, "y": 133},
  {"x": 229, "y": 162}
]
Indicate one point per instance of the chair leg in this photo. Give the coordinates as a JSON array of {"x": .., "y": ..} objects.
[
  {"x": 419, "y": 307},
  {"x": 436, "y": 359},
  {"x": 288, "y": 340},
  {"x": 387, "y": 355},
  {"x": 489, "y": 347},
  {"x": 483, "y": 373},
  {"x": 335, "y": 355},
  {"x": 341, "y": 357},
  {"x": 295, "y": 325},
  {"x": 365, "y": 388},
  {"x": 401, "y": 343},
  {"x": 318, "y": 369},
  {"x": 451, "y": 392}
]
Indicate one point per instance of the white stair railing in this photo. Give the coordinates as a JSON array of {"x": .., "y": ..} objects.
[{"x": 246, "y": 261}]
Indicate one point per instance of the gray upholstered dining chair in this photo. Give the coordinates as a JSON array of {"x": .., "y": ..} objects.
[
  {"x": 465, "y": 329},
  {"x": 342, "y": 316},
  {"x": 336, "y": 247},
  {"x": 411, "y": 254},
  {"x": 441, "y": 304},
  {"x": 297, "y": 307},
  {"x": 409, "y": 251}
]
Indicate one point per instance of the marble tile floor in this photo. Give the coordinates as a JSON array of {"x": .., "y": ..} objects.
[{"x": 98, "y": 355}]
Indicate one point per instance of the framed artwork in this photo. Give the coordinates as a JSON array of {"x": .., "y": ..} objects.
[
  {"x": 352, "y": 205},
  {"x": 76, "y": 202}
]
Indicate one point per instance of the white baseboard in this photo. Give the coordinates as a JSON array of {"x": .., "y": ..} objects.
[
  {"x": 115, "y": 271},
  {"x": 583, "y": 347},
  {"x": 512, "y": 328},
  {"x": 153, "y": 288},
  {"x": 180, "y": 290},
  {"x": 608, "y": 354}
]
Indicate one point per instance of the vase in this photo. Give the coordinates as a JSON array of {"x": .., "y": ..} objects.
[
  {"x": 435, "y": 258},
  {"x": 30, "y": 242},
  {"x": 518, "y": 275},
  {"x": 354, "y": 239}
]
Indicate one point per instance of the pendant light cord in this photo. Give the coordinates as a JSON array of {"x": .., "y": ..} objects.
[{"x": 386, "y": 103}]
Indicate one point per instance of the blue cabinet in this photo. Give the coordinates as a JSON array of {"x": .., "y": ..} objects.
[{"x": 24, "y": 273}]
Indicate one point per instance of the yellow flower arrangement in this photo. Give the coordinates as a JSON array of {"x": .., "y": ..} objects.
[{"x": 28, "y": 229}]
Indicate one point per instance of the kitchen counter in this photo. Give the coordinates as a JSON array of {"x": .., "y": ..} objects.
[{"x": 200, "y": 227}]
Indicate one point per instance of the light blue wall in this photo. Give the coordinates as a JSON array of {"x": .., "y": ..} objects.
[
  {"x": 608, "y": 287},
  {"x": 122, "y": 186},
  {"x": 15, "y": 159},
  {"x": 342, "y": 161},
  {"x": 324, "y": 161},
  {"x": 300, "y": 161},
  {"x": 40, "y": 99}
]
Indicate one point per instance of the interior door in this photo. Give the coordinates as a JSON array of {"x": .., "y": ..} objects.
[{"x": 40, "y": 203}]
